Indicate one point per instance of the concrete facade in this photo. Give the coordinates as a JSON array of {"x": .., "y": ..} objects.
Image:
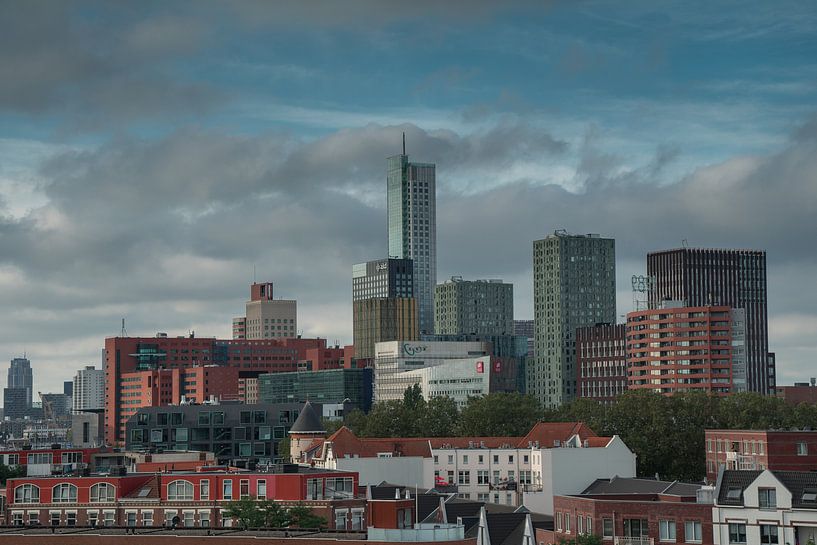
[{"x": 89, "y": 389}]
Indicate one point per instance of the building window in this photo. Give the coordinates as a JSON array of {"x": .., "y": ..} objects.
[
  {"x": 189, "y": 519},
  {"x": 244, "y": 488},
  {"x": 464, "y": 477},
  {"x": 130, "y": 518},
  {"x": 767, "y": 498},
  {"x": 692, "y": 531},
  {"x": 55, "y": 518},
  {"x": 33, "y": 518},
  {"x": 588, "y": 525},
  {"x": 64, "y": 493},
  {"x": 147, "y": 518},
  {"x": 204, "y": 489},
  {"x": 666, "y": 530},
  {"x": 93, "y": 518},
  {"x": 768, "y": 534},
  {"x": 227, "y": 490},
  {"x": 340, "y": 519},
  {"x": 103, "y": 492},
  {"x": 27, "y": 493},
  {"x": 465, "y": 459},
  {"x": 314, "y": 489},
  {"x": 558, "y": 521},
  {"x": 204, "y": 519},
  {"x": 17, "y": 518},
  {"x": 737, "y": 533},
  {"x": 802, "y": 448},
  {"x": 179, "y": 491},
  {"x": 482, "y": 477},
  {"x": 109, "y": 517},
  {"x": 567, "y": 523},
  {"x": 71, "y": 518}
]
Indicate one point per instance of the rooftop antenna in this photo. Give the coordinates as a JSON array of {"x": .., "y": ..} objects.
[
  {"x": 404, "y": 142},
  {"x": 253, "y": 273},
  {"x": 123, "y": 332},
  {"x": 684, "y": 244}
]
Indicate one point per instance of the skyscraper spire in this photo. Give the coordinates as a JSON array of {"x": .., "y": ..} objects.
[{"x": 404, "y": 142}]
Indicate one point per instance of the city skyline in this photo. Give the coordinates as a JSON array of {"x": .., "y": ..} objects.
[{"x": 149, "y": 183}]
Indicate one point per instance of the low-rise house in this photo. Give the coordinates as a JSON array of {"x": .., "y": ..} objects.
[
  {"x": 765, "y": 507},
  {"x": 626, "y": 511}
]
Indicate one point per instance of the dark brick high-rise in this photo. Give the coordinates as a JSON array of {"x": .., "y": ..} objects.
[{"x": 737, "y": 278}]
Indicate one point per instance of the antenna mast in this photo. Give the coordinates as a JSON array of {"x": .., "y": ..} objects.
[
  {"x": 404, "y": 142},
  {"x": 123, "y": 332}
]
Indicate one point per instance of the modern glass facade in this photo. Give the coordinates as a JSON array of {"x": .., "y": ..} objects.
[
  {"x": 330, "y": 386},
  {"x": 412, "y": 219}
]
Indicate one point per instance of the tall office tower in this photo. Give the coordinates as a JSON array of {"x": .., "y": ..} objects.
[
  {"x": 478, "y": 307},
  {"x": 574, "y": 285},
  {"x": 266, "y": 318},
  {"x": 735, "y": 278},
  {"x": 383, "y": 304},
  {"x": 20, "y": 376},
  {"x": 412, "y": 213},
  {"x": 89, "y": 389},
  {"x": 14, "y": 403}
]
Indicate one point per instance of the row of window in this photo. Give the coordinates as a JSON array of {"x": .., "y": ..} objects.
[
  {"x": 64, "y": 493},
  {"x": 480, "y": 459},
  {"x": 635, "y": 528}
]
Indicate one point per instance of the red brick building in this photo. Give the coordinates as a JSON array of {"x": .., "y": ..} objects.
[
  {"x": 155, "y": 371},
  {"x": 794, "y": 450},
  {"x": 49, "y": 461},
  {"x": 678, "y": 349},
  {"x": 601, "y": 362},
  {"x": 197, "y": 498},
  {"x": 801, "y": 392},
  {"x": 635, "y": 512}
]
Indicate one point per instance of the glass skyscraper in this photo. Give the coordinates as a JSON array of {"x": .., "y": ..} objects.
[
  {"x": 412, "y": 213},
  {"x": 20, "y": 376}
]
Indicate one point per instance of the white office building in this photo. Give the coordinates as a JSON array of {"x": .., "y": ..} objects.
[{"x": 89, "y": 389}]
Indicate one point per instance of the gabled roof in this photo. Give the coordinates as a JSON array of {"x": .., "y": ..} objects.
[
  {"x": 797, "y": 482},
  {"x": 345, "y": 442},
  {"x": 737, "y": 480},
  {"x": 308, "y": 421},
  {"x": 547, "y": 433}
]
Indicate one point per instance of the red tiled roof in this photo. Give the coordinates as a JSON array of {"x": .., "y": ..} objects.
[
  {"x": 344, "y": 441},
  {"x": 546, "y": 433}
]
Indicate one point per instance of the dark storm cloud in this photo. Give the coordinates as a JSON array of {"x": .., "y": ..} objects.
[{"x": 69, "y": 59}]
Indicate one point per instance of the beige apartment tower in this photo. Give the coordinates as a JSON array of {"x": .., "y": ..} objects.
[{"x": 266, "y": 318}]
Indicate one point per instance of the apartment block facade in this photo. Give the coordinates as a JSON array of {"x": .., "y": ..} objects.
[
  {"x": 574, "y": 285},
  {"x": 476, "y": 307},
  {"x": 601, "y": 362},
  {"x": 778, "y": 450},
  {"x": 677, "y": 348},
  {"x": 721, "y": 277}
]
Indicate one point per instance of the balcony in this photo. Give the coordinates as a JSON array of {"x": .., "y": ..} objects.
[{"x": 623, "y": 540}]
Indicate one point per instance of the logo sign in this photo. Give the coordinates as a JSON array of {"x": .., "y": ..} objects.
[
  {"x": 643, "y": 284},
  {"x": 480, "y": 367},
  {"x": 413, "y": 349},
  {"x": 381, "y": 266}
]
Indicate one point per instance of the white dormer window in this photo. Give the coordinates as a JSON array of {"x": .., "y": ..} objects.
[{"x": 767, "y": 498}]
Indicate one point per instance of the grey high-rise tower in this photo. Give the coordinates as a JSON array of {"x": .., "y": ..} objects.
[
  {"x": 20, "y": 377},
  {"x": 412, "y": 213},
  {"x": 574, "y": 285}
]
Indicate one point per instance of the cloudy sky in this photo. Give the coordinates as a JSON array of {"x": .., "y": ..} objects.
[{"x": 154, "y": 154}]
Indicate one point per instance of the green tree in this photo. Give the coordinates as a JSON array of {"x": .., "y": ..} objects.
[
  {"x": 301, "y": 516},
  {"x": 441, "y": 417},
  {"x": 247, "y": 512},
  {"x": 582, "y": 539},
  {"x": 283, "y": 449},
  {"x": 499, "y": 414},
  {"x": 7, "y": 473},
  {"x": 355, "y": 420},
  {"x": 273, "y": 515}
]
